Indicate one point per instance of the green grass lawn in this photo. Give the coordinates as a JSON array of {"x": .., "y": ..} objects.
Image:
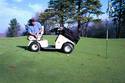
[{"x": 86, "y": 64}]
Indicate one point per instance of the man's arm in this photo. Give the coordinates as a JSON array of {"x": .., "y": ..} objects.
[
  {"x": 41, "y": 28},
  {"x": 41, "y": 31},
  {"x": 29, "y": 31}
]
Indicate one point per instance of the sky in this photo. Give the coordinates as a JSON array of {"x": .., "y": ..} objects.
[{"x": 23, "y": 10}]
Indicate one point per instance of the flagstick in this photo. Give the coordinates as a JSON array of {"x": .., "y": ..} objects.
[
  {"x": 107, "y": 31},
  {"x": 107, "y": 36}
]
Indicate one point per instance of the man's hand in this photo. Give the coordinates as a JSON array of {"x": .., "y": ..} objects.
[{"x": 34, "y": 35}]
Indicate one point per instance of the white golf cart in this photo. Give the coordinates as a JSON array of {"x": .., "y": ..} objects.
[{"x": 65, "y": 42}]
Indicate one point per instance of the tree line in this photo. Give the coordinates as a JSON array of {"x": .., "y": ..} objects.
[{"x": 84, "y": 12}]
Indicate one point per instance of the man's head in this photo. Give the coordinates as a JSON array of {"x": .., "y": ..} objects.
[{"x": 31, "y": 22}]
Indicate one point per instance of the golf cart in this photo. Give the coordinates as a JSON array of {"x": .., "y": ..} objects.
[{"x": 64, "y": 42}]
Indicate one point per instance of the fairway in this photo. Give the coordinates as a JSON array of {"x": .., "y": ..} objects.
[{"x": 86, "y": 64}]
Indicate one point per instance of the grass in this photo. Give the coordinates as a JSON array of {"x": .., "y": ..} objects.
[{"x": 87, "y": 64}]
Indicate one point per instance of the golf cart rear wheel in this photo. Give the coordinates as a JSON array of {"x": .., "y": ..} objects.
[
  {"x": 34, "y": 46},
  {"x": 68, "y": 48}
]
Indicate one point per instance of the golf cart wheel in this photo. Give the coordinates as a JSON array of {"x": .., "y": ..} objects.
[
  {"x": 68, "y": 48},
  {"x": 34, "y": 46}
]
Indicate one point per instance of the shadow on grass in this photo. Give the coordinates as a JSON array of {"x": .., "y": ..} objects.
[
  {"x": 46, "y": 50},
  {"x": 23, "y": 47}
]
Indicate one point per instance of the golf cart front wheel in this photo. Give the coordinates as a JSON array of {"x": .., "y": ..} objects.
[
  {"x": 34, "y": 46},
  {"x": 68, "y": 48}
]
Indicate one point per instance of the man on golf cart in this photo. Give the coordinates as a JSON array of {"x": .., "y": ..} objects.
[
  {"x": 35, "y": 30},
  {"x": 65, "y": 40}
]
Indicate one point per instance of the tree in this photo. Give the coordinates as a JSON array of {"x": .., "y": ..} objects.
[
  {"x": 86, "y": 10},
  {"x": 13, "y": 29},
  {"x": 61, "y": 8},
  {"x": 47, "y": 18},
  {"x": 122, "y": 33},
  {"x": 76, "y": 8},
  {"x": 117, "y": 13}
]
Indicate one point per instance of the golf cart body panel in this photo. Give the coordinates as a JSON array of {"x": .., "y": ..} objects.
[
  {"x": 61, "y": 40},
  {"x": 43, "y": 43}
]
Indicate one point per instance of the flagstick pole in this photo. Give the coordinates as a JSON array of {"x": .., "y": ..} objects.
[
  {"x": 107, "y": 31},
  {"x": 107, "y": 37}
]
